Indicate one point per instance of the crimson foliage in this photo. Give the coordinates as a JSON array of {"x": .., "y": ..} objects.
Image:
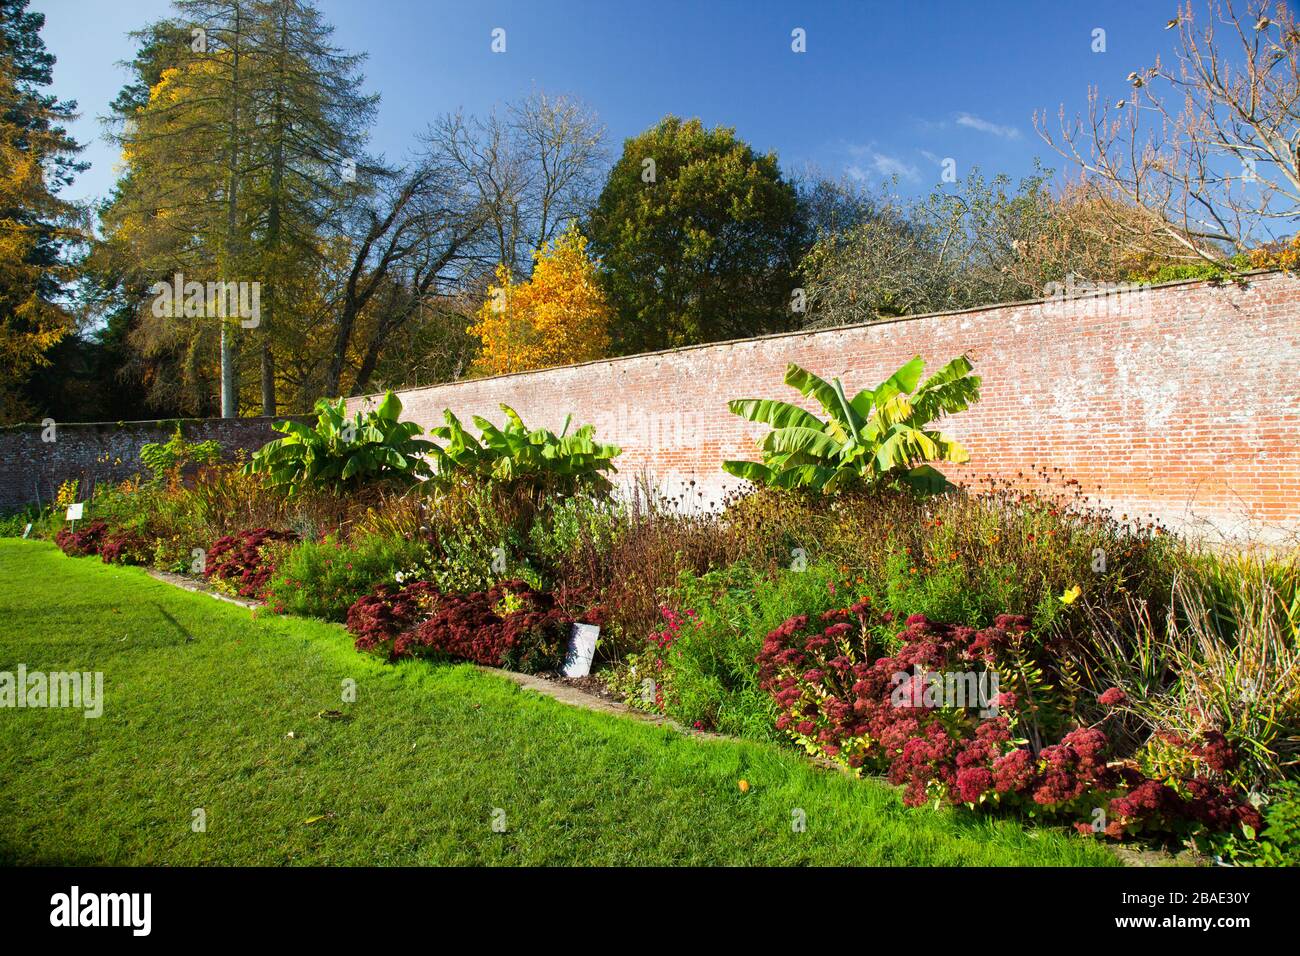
[
  {"x": 377, "y": 619},
  {"x": 85, "y": 540},
  {"x": 509, "y": 625},
  {"x": 244, "y": 560},
  {"x": 122, "y": 547},
  {"x": 843, "y": 696}
]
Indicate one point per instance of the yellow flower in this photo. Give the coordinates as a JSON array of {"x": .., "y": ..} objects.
[{"x": 1072, "y": 595}]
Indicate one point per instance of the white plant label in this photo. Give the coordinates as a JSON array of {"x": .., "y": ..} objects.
[
  {"x": 74, "y": 511},
  {"x": 582, "y": 648}
]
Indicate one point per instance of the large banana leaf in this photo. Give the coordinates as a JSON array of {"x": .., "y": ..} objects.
[
  {"x": 778, "y": 414},
  {"x": 810, "y": 441},
  {"x": 880, "y": 435},
  {"x": 513, "y": 453},
  {"x": 342, "y": 452}
]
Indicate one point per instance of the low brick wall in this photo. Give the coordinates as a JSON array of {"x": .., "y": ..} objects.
[
  {"x": 32, "y": 467},
  {"x": 1181, "y": 400}
]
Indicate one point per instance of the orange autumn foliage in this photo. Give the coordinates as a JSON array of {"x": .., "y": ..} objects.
[{"x": 559, "y": 316}]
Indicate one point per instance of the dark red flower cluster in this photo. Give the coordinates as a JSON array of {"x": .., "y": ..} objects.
[
  {"x": 1074, "y": 767},
  {"x": 1114, "y": 697},
  {"x": 1153, "y": 806},
  {"x": 877, "y": 713},
  {"x": 377, "y": 619},
  {"x": 1014, "y": 772},
  {"x": 243, "y": 560},
  {"x": 94, "y": 537},
  {"x": 124, "y": 547},
  {"x": 83, "y": 541},
  {"x": 510, "y": 625},
  {"x": 1217, "y": 751}
]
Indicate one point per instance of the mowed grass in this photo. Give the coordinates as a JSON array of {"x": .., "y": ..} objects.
[{"x": 210, "y": 707}]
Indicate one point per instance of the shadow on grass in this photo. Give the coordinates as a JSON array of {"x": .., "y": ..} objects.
[{"x": 174, "y": 623}]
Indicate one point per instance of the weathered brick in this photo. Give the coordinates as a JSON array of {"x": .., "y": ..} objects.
[
  {"x": 1182, "y": 400},
  {"x": 32, "y": 469}
]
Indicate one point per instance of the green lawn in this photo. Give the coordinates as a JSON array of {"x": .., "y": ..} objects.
[{"x": 201, "y": 700}]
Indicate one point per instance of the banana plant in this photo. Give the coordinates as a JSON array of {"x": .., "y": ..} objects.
[
  {"x": 516, "y": 454},
  {"x": 881, "y": 435},
  {"x": 341, "y": 453}
]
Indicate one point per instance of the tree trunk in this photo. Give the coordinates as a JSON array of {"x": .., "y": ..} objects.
[
  {"x": 268, "y": 380},
  {"x": 229, "y": 382},
  {"x": 273, "y": 219}
]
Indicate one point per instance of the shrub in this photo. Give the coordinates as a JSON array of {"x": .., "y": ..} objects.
[
  {"x": 14, "y": 522},
  {"x": 324, "y": 578},
  {"x": 124, "y": 547},
  {"x": 568, "y": 524},
  {"x": 967, "y": 556},
  {"x": 931, "y": 715},
  {"x": 178, "y": 454},
  {"x": 339, "y": 454},
  {"x": 509, "y": 625},
  {"x": 82, "y": 541},
  {"x": 475, "y": 532},
  {"x": 244, "y": 562},
  {"x": 377, "y": 619},
  {"x": 717, "y": 632}
]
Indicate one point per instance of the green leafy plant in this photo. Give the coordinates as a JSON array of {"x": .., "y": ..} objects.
[
  {"x": 341, "y": 453},
  {"x": 726, "y": 614},
  {"x": 176, "y": 452},
  {"x": 881, "y": 435},
  {"x": 515, "y": 454},
  {"x": 324, "y": 578},
  {"x": 1279, "y": 844}
]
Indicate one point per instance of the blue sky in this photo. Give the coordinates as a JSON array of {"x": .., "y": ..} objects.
[{"x": 884, "y": 87}]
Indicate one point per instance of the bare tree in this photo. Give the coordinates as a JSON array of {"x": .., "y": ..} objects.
[
  {"x": 1208, "y": 147},
  {"x": 421, "y": 234},
  {"x": 562, "y": 141},
  {"x": 535, "y": 165}
]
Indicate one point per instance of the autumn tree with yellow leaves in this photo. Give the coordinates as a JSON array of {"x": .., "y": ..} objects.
[
  {"x": 558, "y": 316},
  {"x": 38, "y": 229}
]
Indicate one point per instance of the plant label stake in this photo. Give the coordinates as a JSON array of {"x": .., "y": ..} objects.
[
  {"x": 74, "y": 513},
  {"x": 582, "y": 648},
  {"x": 27, "y": 530}
]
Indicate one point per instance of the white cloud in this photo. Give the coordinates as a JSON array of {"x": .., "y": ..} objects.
[
  {"x": 984, "y": 126},
  {"x": 870, "y": 160}
]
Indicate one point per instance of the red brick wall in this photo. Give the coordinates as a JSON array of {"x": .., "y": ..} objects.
[
  {"x": 32, "y": 467},
  {"x": 1180, "y": 400}
]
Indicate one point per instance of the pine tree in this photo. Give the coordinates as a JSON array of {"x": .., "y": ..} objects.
[{"x": 311, "y": 129}]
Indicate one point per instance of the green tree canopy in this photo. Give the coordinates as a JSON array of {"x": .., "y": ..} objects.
[{"x": 697, "y": 235}]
